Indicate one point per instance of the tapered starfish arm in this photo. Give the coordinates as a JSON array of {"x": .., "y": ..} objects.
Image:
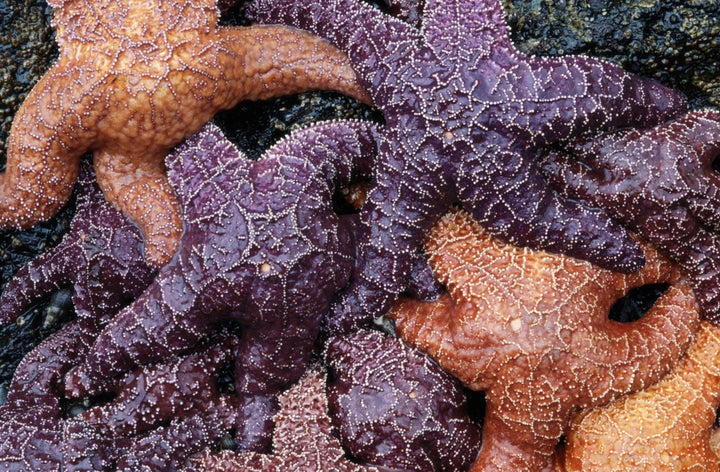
[
  {"x": 532, "y": 214},
  {"x": 284, "y": 61},
  {"x": 664, "y": 427},
  {"x": 45, "y": 274},
  {"x": 364, "y": 33},
  {"x": 139, "y": 188},
  {"x": 40, "y": 172},
  {"x": 384, "y": 261}
]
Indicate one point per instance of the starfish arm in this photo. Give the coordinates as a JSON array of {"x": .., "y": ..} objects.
[
  {"x": 132, "y": 338},
  {"x": 138, "y": 187},
  {"x": 376, "y": 44},
  {"x": 466, "y": 30},
  {"x": 531, "y": 214},
  {"x": 47, "y": 138},
  {"x": 282, "y": 60},
  {"x": 579, "y": 94},
  {"x": 45, "y": 274},
  {"x": 672, "y": 417},
  {"x": 341, "y": 150},
  {"x": 393, "y": 222}
]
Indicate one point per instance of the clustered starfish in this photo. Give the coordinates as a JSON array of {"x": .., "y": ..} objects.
[
  {"x": 253, "y": 233},
  {"x": 129, "y": 89},
  {"x": 664, "y": 428},
  {"x": 395, "y": 408},
  {"x": 101, "y": 257},
  {"x": 531, "y": 330},
  {"x": 466, "y": 115},
  {"x": 661, "y": 184}
]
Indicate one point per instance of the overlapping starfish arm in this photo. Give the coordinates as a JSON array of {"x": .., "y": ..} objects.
[
  {"x": 395, "y": 408},
  {"x": 466, "y": 116},
  {"x": 531, "y": 329},
  {"x": 101, "y": 257},
  {"x": 253, "y": 231},
  {"x": 157, "y": 401},
  {"x": 129, "y": 90},
  {"x": 665, "y": 427},
  {"x": 302, "y": 439},
  {"x": 661, "y": 184}
]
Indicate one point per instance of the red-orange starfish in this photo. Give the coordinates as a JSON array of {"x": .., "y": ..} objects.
[
  {"x": 531, "y": 329},
  {"x": 133, "y": 79},
  {"x": 666, "y": 427}
]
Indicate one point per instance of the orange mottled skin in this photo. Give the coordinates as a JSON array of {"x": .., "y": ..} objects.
[
  {"x": 531, "y": 330},
  {"x": 664, "y": 428},
  {"x": 133, "y": 79}
]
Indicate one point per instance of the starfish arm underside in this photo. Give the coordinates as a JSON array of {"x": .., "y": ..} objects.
[
  {"x": 520, "y": 208},
  {"x": 393, "y": 222},
  {"x": 377, "y": 44},
  {"x": 579, "y": 94},
  {"x": 284, "y": 60}
]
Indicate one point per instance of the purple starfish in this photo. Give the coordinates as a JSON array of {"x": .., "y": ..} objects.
[
  {"x": 466, "y": 115},
  {"x": 661, "y": 184},
  {"x": 395, "y": 408},
  {"x": 262, "y": 247},
  {"x": 101, "y": 256}
]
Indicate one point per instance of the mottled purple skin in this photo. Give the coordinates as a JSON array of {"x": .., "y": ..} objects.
[
  {"x": 395, "y": 407},
  {"x": 262, "y": 247},
  {"x": 169, "y": 410},
  {"x": 660, "y": 183},
  {"x": 466, "y": 115},
  {"x": 101, "y": 256}
]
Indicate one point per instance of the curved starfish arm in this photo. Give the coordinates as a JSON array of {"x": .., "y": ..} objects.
[
  {"x": 636, "y": 354},
  {"x": 284, "y": 61},
  {"x": 390, "y": 231},
  {"x": 365, "y": 34},
  {"x": 45, "y": 274},
  {"x": 125, "y": 343},
  {"x": 341, "y": 150},
  {"x": 532, "y": 215},
  {"x": 667, "y": 423},
  {"x": 582, "y": 94},
  {"x": 700, "y": 258},
  {"x": 139, "y": 187},
  {"x": 468, "y": 30},
  {"x": 155, "y": 395},
  {"x": 47, "y": 139}
]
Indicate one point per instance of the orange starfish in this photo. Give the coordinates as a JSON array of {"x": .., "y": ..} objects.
[
  {"x": 134, "y": 78},
  {"x": 664, "y": 428},
  {"x": 531, "y": 329}
]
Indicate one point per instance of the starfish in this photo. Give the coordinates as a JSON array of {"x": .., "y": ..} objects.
[
  {"x": 302, "y": 439},
  {"x": 531, "y": 330},
  {"x": 101, "y": 256},
  {"x": 253, "y": 233},
  {"x": 466, "y": 115},
  {"x": 661, "y": 184},
  {"x": 133, "y": 79},
  {"x": 664, "y": 428},
  {"x": 395, "y": 408}
]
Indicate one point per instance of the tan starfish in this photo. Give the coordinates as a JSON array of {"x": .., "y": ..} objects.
[
  {"x": 134, "y": 78},
  {"x": 664, "y": 428},
  {"x": 531, "y": 329}
]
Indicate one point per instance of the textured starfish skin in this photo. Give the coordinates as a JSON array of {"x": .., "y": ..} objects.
[
  {"x": 531, "y": 329},
  {"x": 133, "y": 79},
  {"x": 101, "y": 256},
  {"x": 302, "y": 439},
  {"x": 253, "y": 233},
  {"x": 395, "y": 408},
  {"x": 659, "y": 183},
  {"x": 663, "y": 428},
  {"x": 466, "y": 115}
]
